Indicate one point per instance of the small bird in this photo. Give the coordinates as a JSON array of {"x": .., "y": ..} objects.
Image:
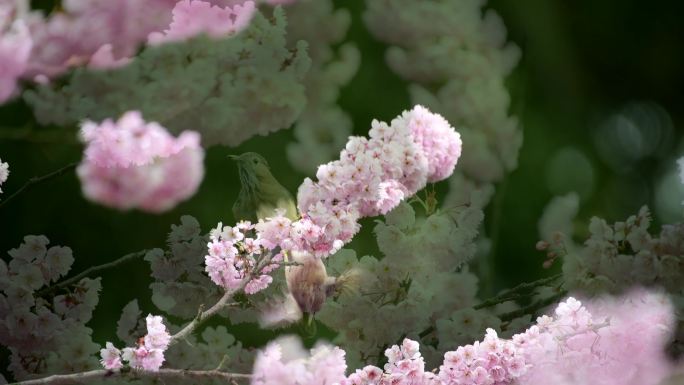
[
  {"x": 261, "y": 194},
  {"x": 310, "y": 285},
  {"x": 260, "y": 197}
]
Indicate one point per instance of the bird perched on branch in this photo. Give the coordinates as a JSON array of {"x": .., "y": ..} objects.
[
  {"x": 261, "y": 193},
  {"x": 260, "y": 197}
]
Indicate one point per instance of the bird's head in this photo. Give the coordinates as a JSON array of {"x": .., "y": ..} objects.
[{"x": 253, "y": 168}]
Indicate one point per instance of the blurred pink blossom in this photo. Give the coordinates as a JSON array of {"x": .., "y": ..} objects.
[
  {"x": 605, "y": 341},
  {"x": 285, "y": 362},
  {"x": 15, "y": 50},
  {"x": 194, "y": 17},
  {"x": 133, "y": 164}
]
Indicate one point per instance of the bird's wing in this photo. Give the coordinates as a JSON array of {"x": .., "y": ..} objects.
[
  {"x": 244, "y": 209},
  {"x": 279, "y": 198},
  {"x": 268, "y": 209}
]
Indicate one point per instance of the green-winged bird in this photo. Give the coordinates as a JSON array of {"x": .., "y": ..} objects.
[{"x": 261, "y": 194}]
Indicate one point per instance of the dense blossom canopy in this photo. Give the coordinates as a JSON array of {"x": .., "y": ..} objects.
[{"x": 153, "y": 84}]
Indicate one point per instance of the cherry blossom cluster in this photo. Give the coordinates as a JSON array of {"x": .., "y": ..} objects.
[
  {"x": 73, "y": 35},
  {"x": 285, "y": 362},
  {"x": 234, "y": 253},
  {"x": 616, "y": 256},
  {"x": 130, "y": 163},
  {"x": 597, "y": 344},
  {"x": 397, "y": 160},
  {"x": 194, "y": 17},
  {"x": 405, "y": 366},
  {"x": 101, "y": 34},
  {"x": 216, "y": 86},
  {"x": 372, "y": 176},
  {"x": 611, "y": 340},
  {"x": 4, "y": 173},
  {"x": 206, "y": 349},
  {"x": 623, "y": 254},
  {"x": 40, "y": 326},
  {"x": 148, "y": 355},
  {"x": 15, "y": 49},
  {"x": 491, "y": 361}
]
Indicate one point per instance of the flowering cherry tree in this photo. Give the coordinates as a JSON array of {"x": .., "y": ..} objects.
[{"x": 152, "y": 85}]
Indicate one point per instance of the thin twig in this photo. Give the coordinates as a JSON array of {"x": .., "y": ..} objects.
[
  {"x": 39, "y": 179},
  {"x": 30, "y": 135},
  {"x": 92, "y": 270},
  {"x": 533, "y": 308},
  {"x": 515, "y": 293},
  {"x": 511, "y": 294},
  {"x": 102, "y": 374}
]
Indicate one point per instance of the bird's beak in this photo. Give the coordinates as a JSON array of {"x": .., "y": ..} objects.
[{"x": 234, "y": 157}]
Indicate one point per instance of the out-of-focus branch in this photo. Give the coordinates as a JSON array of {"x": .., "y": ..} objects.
[
  {"x": 516, "y": 292},
  {"x": 93, "y": 375},
  {"x": 534, "y": 307},
  {"x": 37, "y": 180},
  {"x": 92, "y": 270}
]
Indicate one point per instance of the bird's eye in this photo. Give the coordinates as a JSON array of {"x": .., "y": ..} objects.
[{"x": 256, "y": 161}]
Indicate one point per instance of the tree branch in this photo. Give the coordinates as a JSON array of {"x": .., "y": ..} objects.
[
  {"x": 37, "y": 180},
  {"x": 223, "y": 302},
  {"x": 534, "y": 307},
  {"x": 188, "y": 329},
  {"x": 516, "y": 292},
  {"x": 31, "y": 135},
  {"x": 91, "y": 270},
  {"x": 102, "y": 374}
]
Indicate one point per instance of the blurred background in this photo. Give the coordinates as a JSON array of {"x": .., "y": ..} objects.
[{"x": 599, "y": 92}]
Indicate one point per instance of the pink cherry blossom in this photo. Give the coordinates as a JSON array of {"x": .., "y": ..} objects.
[
  {"x": 104, "y": 59},
  {"x": 194, "y": 17},
  {"x": 111, "y": 357},
  {"x": 142, "y": 358},
  {"x": 15, "y": 49},
  {"x": 233, "y": 256},
  {"x": 372, "y": 176},
  {"x": 133, "y": 164},
  {"x": 285, "y": 362},
  {"x": 491, "y": 361},
  {"x": 607, "y": 341},
  {"x": 147, "y": 355},
  {"x": 610, "y": 341},
  {"x": 71, "y": 36},
  {"x": 439, "y": 142},
  {"x": 157, "y": 337}
]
